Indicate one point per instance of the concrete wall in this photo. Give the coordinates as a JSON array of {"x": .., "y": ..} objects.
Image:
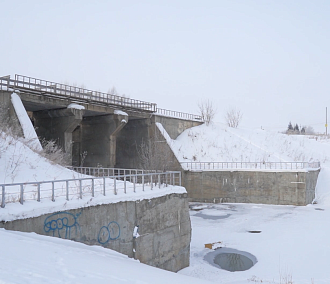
[
  {"x": 129, "y": 140},
  {"x": 7, "y": 113},
  {"x": 145, "y": 130},
  {"x": 279, "y": 188},
  {"x": 175, "y": 126},
  {"x": 164, "y": 228}
]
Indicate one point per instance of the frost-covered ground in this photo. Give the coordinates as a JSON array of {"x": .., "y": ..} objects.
[
  {"x": 34, "y": 259},
  {"x": 294, "y": 241}
]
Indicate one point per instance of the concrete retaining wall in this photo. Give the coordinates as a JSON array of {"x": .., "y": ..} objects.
[
  {"x": 279, "y": 188},
  {"x": 164, "y": 229},
  {"x": 175, "y": 126},
  {"x": 7, "y": 113}
]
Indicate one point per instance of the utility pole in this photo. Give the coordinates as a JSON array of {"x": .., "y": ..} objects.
[{"x": 326, "y": 121}]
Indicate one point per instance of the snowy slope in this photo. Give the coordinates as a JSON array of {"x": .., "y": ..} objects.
[
  {"x": 31, "y": 258},
  {"x": 220, "y": 143}
]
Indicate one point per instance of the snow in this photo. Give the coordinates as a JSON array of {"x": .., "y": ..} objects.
[
  {"x": 26, "y": 124},
  {"x": 35, "y": 259},
  {"x": 120, "y": 112},
  {"x": 75, "y": 106},
  {"x": 219, "y": 143},
  {"x": 293, "y": 241}
]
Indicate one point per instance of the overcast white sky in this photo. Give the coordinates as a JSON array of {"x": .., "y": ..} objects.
[{"x": 270, "y": 59}]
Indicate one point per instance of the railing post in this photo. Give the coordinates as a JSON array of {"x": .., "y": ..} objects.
[
  {"x": 124, "y": 183},
  {"x": 114, "y": 186},
  {"x": 53, "y": 191},
  {"x": 80, "y": 189},
  {"x": 21, "y": 194},
  {"x": 134, "y": 182},
  {"x": 38, "y": 196},
  {"x": 3, "y": 197},
  {"x": 67, "y": 189},
  {"x": 151, "y": 181},
  {"x": 92, "y": 187},
  {"x": 104, "y": 186},
  {"x": 142, "y": 181},
  {"x": 158, "y": 180}
]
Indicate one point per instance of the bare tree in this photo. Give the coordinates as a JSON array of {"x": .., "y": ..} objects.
[
  {"x": 233, "y": 117},
  {"x": 206, "y": 111},
  {"x": 156, "y": 155}
]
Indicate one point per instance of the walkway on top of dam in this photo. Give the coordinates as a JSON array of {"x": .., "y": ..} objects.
[{"x": 37, "y": 95}]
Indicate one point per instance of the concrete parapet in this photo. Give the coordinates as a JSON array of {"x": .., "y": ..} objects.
[
  {"x": 279, "y": 188},
  {"x": 174, "y": 126},
  {"x": 163, "y": 226}
]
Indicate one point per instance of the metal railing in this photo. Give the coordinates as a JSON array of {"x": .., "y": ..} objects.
[
  {"x": 52, "y": 89},
  {"x": 38, "y": 86},
  {"x": 86, "y": 186},
  {"x": 177, "y": 114},
  {"x": 100, "y": 172},
  {"x": 200, "y": 166}
]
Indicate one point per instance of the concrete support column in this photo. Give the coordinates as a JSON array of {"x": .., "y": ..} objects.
[
  {"x": 58, "y": 125},
  {"x": 99, "y": 139}
]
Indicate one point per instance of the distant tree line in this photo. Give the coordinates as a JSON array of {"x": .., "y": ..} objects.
[{"x": 299, "y": 130}]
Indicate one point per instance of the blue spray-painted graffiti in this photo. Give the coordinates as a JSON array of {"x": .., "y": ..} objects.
[
  {"x": 110, "y": 232},
  {"x": 62, "y": 224}
]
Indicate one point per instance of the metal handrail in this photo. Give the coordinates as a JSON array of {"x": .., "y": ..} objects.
[
  {"x": 249, "y": 165},
  {"x": 61, "y": 90},
  {"x": 177, "y": 114},
  {"x": 39, "y": 86},
  {"x": 86, "y": 186},
  {"x": 100, "y": 171}
]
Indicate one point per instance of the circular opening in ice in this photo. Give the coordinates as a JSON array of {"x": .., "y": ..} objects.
[{"x": 231, "y": 259}]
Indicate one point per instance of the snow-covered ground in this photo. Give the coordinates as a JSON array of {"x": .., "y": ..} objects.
[
  {"x": 34, "y": 259},
  {"x": 219, "y": 143},
  {"x": 293, "y": 240}
]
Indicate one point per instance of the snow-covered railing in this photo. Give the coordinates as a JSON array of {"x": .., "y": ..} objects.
[
  {"x": 86, "y": 186},
  {"x": 52, "y": 89},
  {"x": 37, "y": 86},
  {"x": 177, "y": 114},
  {"x": 200, "y": 166},
  {"x": 100, "y": 172}
]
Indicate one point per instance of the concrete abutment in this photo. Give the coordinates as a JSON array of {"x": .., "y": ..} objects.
[
  {"x": 163, "y": 222},
  {"x": 264, "y": 187}
]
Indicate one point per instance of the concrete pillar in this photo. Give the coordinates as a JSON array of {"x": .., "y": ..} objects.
[
  {"x": 129, "y": 140},
  {"x": 8, "y": 117},
  {"x": 99, "y": 139},
  {"x": 58, "y": 125}
]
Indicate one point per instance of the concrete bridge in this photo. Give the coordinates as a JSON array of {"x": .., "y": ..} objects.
[{"x": 93, "y": 128}]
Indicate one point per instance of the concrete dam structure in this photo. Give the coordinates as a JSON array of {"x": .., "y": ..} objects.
[
  {"x": 109, "y": 130},
  {"x": 104, "y": 130},
  {"x": 93, "y": 128}
]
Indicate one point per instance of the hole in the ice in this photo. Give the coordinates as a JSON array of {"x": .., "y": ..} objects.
[
  {"x": 231, "y": 259},
  {"x": 254, "y": 232}
]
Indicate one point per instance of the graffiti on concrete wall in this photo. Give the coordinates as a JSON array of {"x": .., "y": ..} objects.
[
  {"x": 63, "y": 225},
  {"x": 110, "y": 232}
]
